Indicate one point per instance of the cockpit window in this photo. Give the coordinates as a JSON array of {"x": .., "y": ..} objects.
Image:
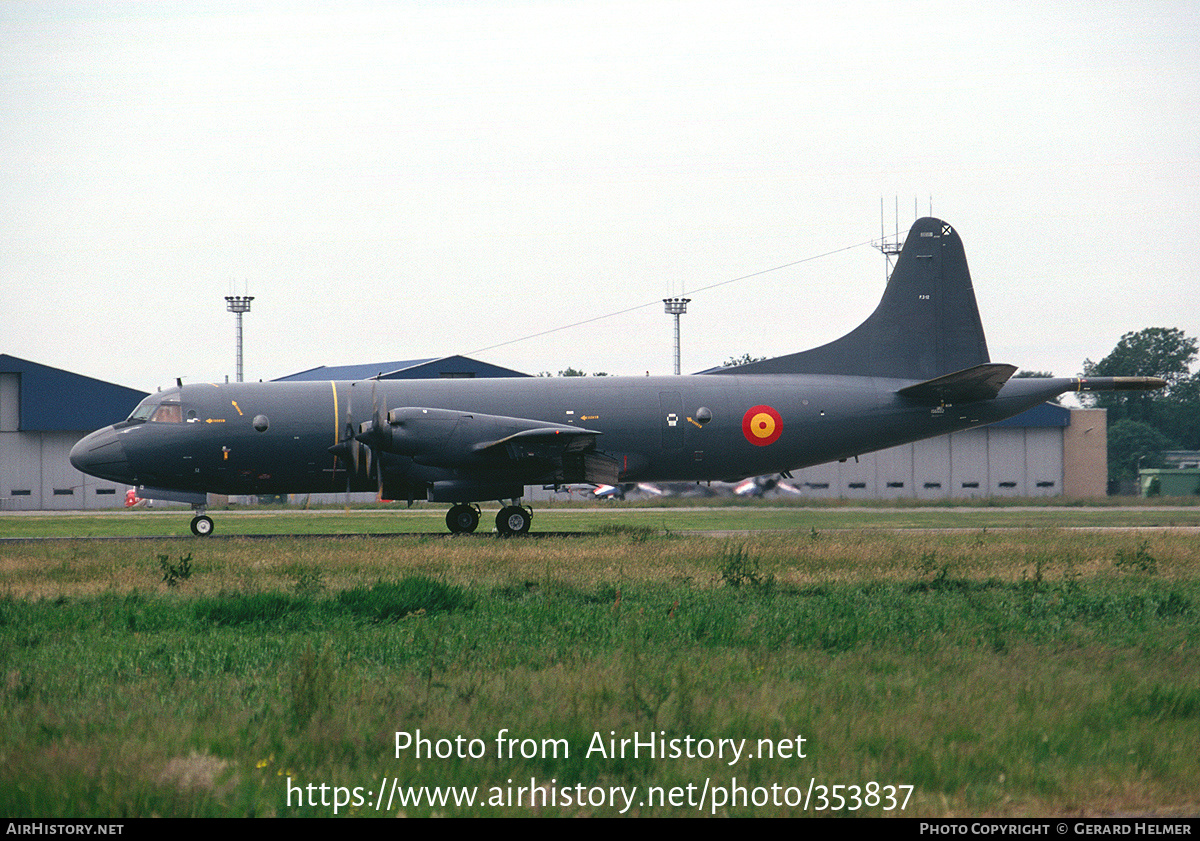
[
  {"x": 142, "y": 413},
  {"x": 167, "y": 413},
  {"x": 156, "y": 411}
]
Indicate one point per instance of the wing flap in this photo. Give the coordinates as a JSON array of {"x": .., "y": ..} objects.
[{"x": 569, "y": 451}]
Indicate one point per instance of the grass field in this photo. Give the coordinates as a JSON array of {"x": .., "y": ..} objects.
[
  {"x": 673, "y": 516},
  {"x": 996, "y": 670}
]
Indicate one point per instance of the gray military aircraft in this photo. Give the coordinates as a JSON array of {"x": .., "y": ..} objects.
[{"x": 918, "y": 367}]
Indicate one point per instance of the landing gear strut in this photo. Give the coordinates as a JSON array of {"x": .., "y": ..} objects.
[
  {"x": 513, "y": 519},
  {"x": 462, "y": 518},
  {"x": 202, "y": 526}
]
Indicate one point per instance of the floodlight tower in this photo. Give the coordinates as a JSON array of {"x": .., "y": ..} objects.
[
  {"x": 676, "y": 307},
  {"x": 238, "y": 304},
  {"x": 890, "y": 247}
]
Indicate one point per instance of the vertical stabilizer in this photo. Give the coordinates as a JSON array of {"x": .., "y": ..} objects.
[{"x": 926, "y": 325}]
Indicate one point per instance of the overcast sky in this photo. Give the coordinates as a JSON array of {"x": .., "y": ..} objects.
[{"x": 400, "y": 180}]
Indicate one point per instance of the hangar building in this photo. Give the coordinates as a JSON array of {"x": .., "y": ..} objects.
[
  {"x": 1049, "y": 450},
  {"x": 43, "y": 412}
]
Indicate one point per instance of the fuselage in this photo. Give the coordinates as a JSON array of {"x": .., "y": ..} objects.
[{"x": 265, "y": 438}]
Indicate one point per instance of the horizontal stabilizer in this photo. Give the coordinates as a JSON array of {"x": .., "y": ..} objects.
[
  {"x": 982, "y": 382},
  {"x": 1117, "y": 383}
]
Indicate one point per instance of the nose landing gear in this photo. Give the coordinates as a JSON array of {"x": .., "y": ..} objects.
[{"x": 202, "y": 525}]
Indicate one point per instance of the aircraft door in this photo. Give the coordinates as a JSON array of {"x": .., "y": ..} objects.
[{"x": 671, "y": 406}]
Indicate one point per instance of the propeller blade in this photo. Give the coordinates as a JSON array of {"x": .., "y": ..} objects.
[
  {"x": 374, "y": 433},
  {"x": 372, "y": 436},
  {"x": 348, "y": 449}
]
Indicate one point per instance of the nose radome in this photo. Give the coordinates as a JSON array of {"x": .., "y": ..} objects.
[{"x": 101, "y": 454}]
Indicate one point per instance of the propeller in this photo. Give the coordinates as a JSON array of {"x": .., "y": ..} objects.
[
  {"x": 363, "y": 446},
  {"x": 374, "y": 436},
  {"x": 348, "y": 447}
]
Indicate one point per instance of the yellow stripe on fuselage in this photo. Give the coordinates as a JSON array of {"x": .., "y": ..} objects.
[{"x": 336, "y": 431}]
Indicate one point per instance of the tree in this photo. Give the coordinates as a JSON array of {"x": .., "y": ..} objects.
[
  {"x": 744, "y": 359},
  {"x": 1153, "y": 352},
  {"x": 1133, "y": 445},
  {"x": 1141, "y": 424},
  {"x": 572, "y": 372}
]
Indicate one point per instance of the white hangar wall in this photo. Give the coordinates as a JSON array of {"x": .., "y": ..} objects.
[
  {"x": 1061, "y": 453},
  {"x": 38, "y": 475}
]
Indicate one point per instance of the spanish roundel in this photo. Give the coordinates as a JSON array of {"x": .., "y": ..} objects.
[{"x": 762, "y": 425}]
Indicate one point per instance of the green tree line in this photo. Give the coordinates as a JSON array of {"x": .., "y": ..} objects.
[{"x": 1141, "y": 424}]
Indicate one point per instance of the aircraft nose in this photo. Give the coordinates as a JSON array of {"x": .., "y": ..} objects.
[{"x": 101, "y": 454}]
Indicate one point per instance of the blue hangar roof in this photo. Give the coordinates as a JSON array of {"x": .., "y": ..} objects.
[
  {"x": 53, "y": 400},
  {"x": 412, "y": 369},
  {"x": 1047, "y": 414}
]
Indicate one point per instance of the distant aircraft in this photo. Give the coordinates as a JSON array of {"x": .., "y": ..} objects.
[
  {"x": 759, "y": 486},
  {"x": 619, "y": 491},
  {"x": 918, "y": 367}
]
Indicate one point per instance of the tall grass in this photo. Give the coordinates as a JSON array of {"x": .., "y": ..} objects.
[{"x": 1014, "y": 673}]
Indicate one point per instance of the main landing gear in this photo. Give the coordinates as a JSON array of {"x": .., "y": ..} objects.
[
  {"x": 462, "y": 518},
  {"x": 512, "y": 519},
  {"x": 202, "y": 525}
]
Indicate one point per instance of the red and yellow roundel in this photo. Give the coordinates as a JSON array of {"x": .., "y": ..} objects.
[{"x": 762, "y": 425}]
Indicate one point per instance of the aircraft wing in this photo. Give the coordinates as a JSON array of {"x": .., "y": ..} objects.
[
  {"x": 543, "y": 451},
  {"x": 551, "y": 437},
  {"x": 981, "y": 382},
  {"x": 569, "y": 450}
]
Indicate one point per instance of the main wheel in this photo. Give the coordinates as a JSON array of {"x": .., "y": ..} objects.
[
  {"x": 462, "y": 519},
  {"x": 513, "y": 519},
  {"x": 202, "y": 526}
]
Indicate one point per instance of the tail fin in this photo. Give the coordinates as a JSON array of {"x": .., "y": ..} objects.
[{"x": 926, "y": 325}]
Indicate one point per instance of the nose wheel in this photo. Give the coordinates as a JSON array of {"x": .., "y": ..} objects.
[{"x": 202, "y": 526}]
